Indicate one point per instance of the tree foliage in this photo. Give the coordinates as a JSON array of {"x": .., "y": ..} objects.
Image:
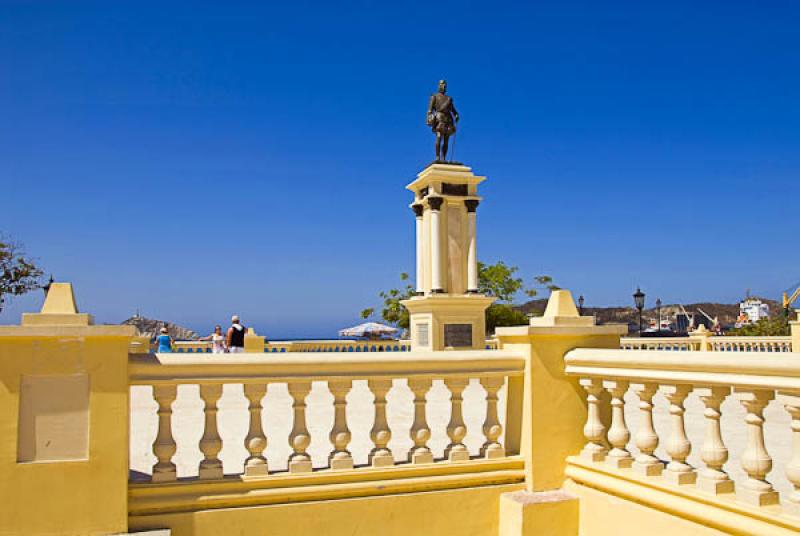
[
  {"x": 18, "y": 273},
  {"x": 775, "y": 326},
  {"x": 498, "y": 280}
]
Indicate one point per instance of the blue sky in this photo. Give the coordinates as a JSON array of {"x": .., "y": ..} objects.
[{"x": 192, "y": 159}]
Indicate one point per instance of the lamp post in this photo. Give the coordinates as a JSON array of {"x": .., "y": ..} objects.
[
  {"x": 580, "y": 305},
  {"x": 658, "y": 309},
  {"x": 638, "y": 299}
]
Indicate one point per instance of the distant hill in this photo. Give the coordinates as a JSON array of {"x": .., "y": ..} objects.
[
  {"x": 727, "y": 312},
  {"x": 150, "y": 327}
]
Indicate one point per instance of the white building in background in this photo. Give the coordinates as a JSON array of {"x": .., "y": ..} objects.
[{"x": 751, "y": 311}]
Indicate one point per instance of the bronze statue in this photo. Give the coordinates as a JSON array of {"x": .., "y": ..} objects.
[{"x": 442, "y": 118}]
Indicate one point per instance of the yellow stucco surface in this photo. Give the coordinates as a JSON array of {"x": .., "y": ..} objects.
[
  {"x": 466, "y": 512},
  {"x": 69, "y": 493}
]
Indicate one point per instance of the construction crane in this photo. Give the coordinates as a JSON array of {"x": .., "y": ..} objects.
[
  {"x": 715, "y": 327},
  {"x": 788, "y": 300}
]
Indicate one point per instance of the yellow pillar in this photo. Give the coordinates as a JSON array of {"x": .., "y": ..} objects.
[
  {"x": 555, "y": 405},
  {"x": 552, "y": 415},
  {"x": 701, "y": 336},
  {"x": 64, "y": 421},
  {"x": 795, "y": 326},
  {"x": 253, "y": 344}
]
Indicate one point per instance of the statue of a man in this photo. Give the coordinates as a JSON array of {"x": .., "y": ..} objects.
[{"x": 442, "y": 118}]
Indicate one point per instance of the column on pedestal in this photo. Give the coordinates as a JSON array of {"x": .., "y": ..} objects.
[
  {"x": 472, "y": 251},
  {"x": 420, "y": 275},
  {"x": 436, "y": 245}
]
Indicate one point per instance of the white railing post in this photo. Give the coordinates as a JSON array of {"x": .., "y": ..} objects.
[
  {"x": 712, "y": 478},
  {"x": 299, "y": 438},
  {"x": 340, "y": 436},
  {"x": 678, "y": 446},
  {"x": 491, "y": 426},
  {"x": 420, "y": 432},
  {"x": 456, "y": 429},
  {"x": 792, "y": 404},
  {"x": 618, "y": 433},
  {"x": 381, "y": 434},
  {"x": 256, "y": 441},
  {"x": 164, "y": 446},
  {"x": 646, "y": 438},
  {"x": 756, "y": 461},
  {"x": 594, "y": 430},
  {"x": 211, "y": 443}
]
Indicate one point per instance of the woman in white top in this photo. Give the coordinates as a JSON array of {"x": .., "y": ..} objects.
[{"x": 217, "y": 339}]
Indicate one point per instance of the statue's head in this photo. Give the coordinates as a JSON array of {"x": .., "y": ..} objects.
[{"x": 442, "y": 86}]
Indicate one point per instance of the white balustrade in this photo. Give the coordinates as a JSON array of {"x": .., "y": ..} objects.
[
  {"x": 756, "y": 377},
  {"x": 297, "y": 372}
]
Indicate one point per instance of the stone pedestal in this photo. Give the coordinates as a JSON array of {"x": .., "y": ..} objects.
[{"x": 448, "y": 311}]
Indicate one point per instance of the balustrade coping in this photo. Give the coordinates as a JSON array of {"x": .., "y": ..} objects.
[
  {"x": 148, "y": 369},
  {"x": 185, "y": 495},
  {"x": 762, "y": 370},
  {"x": 687, "y": 501}
]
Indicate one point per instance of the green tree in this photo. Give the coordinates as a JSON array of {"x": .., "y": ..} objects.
[
  {"x": 775, "y": 326},
  {"x": 498, "y": 280},
  {"x": 18, "y": 274}
]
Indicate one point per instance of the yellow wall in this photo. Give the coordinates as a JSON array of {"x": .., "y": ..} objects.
[
  {"x": 78, "y": 496},
  {"x": 465, "y": 512}
]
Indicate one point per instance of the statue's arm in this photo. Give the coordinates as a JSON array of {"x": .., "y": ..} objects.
[
  {"x": 455, "y": 112},
  {"x": 430, "y": 104}
]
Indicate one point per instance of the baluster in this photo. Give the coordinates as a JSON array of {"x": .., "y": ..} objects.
[
  {"x": 756, "y": 461},
  {"x": 256, "y": 441},
  {"x": 646, "y": 438},
  {"x": 618, "y": 433},
  {"x": 211, "y": 443},
  {"x": 593, "y": 430},
  {"x": 456, "y": 429},
  {"x": 713, "y": 478},
  {"x": 420, "y": 433},
  {"x": 299, "y": 438},
  {"x": 792, "y": 405},
  {"x": 491, "y": 426},
  {"x": 340, "y": 437},
  {"x": 678, "y": 446},
  {"x": 164, "y": 445},
  {"x": 380, "y": 456}
]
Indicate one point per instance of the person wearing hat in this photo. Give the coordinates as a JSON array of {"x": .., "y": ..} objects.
[
  {"x": 164, "y": 341},
  {"x": 235, "y": 336}
]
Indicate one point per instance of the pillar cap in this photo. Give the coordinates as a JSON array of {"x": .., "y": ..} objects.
[
  {"x": 59, "y": 309},
  {"x": 561, "y": 318}
]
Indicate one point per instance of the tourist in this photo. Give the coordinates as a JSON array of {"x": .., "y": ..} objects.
[
  {"x": 235, "y": 337},
  {"x": 218, "y": 345},
  {"x": 164, "y": 341}
]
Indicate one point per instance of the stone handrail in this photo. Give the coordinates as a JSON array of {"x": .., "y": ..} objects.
[
  {"x": 317, "y": 346},
  {"x": 709, "y": 342},
  {"x": 756, "y": 378},
  {"x": 659, "y": 343},
  {"x": 378, "y": 374}
]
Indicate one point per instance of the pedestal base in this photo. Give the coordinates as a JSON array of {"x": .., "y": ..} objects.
[
  {"x": 421, "y": 456},
  {"x": 648, "y": 469},
  {"x": 382, "y": 460},
  {"x": 715, "y": 487},
  {"x": 757, "y": 498},
  {"x": 448, "y": 321},
  {"x": 300, "y": 466},
  {"x": 680, "y": 479}
]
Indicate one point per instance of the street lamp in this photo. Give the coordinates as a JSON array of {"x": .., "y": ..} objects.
[
  {"x": 580, "y": 305},
  {"x": 658, "y": 308},
  {"x": 638, "y": 299}
]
